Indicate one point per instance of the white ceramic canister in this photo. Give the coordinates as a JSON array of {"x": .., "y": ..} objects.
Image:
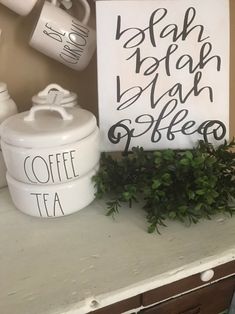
[
  {"x": 7, "y": 108},
  {"x": 50, "y": 144},
  {"x": 54, "y": 200},
  {"x": 70, "y": 99}
]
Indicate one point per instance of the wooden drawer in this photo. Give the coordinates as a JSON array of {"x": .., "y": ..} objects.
[
  {"x": 183, "y": 285},
  {"x": 120, "y": 307},
  {"x": 171, "y": 290},
  {"x": 212, "y": 299}
]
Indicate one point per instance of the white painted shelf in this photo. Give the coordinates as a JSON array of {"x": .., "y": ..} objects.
[{"x": 60, "y": 265}]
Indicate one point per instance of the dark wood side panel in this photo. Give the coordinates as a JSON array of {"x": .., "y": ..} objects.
[{"x": 212, "y": 299}]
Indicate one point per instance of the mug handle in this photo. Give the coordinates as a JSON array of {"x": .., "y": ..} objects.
[
  {"x": 87, "y": 10},
  {"x": 68, "y": 4}
]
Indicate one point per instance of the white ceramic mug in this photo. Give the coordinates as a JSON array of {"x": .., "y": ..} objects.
[
  {"x": 22, "y": 7},
  {"x": 64, "y": 38}
]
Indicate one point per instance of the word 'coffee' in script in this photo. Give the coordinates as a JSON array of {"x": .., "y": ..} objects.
[{"x": 165, "y": 89}]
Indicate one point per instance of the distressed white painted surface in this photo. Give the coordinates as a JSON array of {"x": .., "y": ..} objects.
[{"x": 60, "y": 266}]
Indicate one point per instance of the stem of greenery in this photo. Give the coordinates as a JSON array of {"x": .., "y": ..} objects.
[{"x": 178, "y": 185}]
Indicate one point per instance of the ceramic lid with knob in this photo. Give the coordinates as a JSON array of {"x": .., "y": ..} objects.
[
  {"x": 48, "y": 125},
  {"x": 69, "y": 98}
]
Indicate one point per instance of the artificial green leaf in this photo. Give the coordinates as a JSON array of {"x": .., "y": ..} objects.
[{"x": 183, "y": 185}]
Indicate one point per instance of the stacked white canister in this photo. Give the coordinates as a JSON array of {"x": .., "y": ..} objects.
[
  {"x": 7, "y": 109},
  {"x": 51, "y": 153}
]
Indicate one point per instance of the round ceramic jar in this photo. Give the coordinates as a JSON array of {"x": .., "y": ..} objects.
[
  {"x": 7, "y": 109},
  {"x": 50, "y": 144},
  {"x": 54, "y": 200}
]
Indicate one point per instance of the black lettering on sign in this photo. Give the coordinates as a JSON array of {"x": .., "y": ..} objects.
[
  {"x": 164, "y": 98},
  {"x": 129, "y": 97},
  {"x": 156, "y": 17},
  {"x": 156, "y": 129}
]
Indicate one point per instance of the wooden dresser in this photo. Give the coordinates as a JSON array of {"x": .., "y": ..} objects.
[{"x": 88, "y": 262}]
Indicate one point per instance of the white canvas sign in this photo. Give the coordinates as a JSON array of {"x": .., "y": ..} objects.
[{"x": 163, "y": 73}]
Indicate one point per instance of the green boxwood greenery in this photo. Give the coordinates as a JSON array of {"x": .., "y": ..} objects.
[{"x": 179, "y": 185}]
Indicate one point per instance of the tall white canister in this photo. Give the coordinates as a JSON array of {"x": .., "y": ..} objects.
[{"x": 7, "y": 109}]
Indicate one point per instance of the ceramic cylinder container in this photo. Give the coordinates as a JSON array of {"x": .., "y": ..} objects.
[
  {"x": 50, "y": 144},
  {"x": 51, "y": 154},
  {"x": 54, "y": 200},
  {"x": 7, "y": 108},
  {"x": 7, "y": 104}
]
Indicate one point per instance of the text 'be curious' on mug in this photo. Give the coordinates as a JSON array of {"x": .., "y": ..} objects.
[{"x": 64, "y": 38}]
